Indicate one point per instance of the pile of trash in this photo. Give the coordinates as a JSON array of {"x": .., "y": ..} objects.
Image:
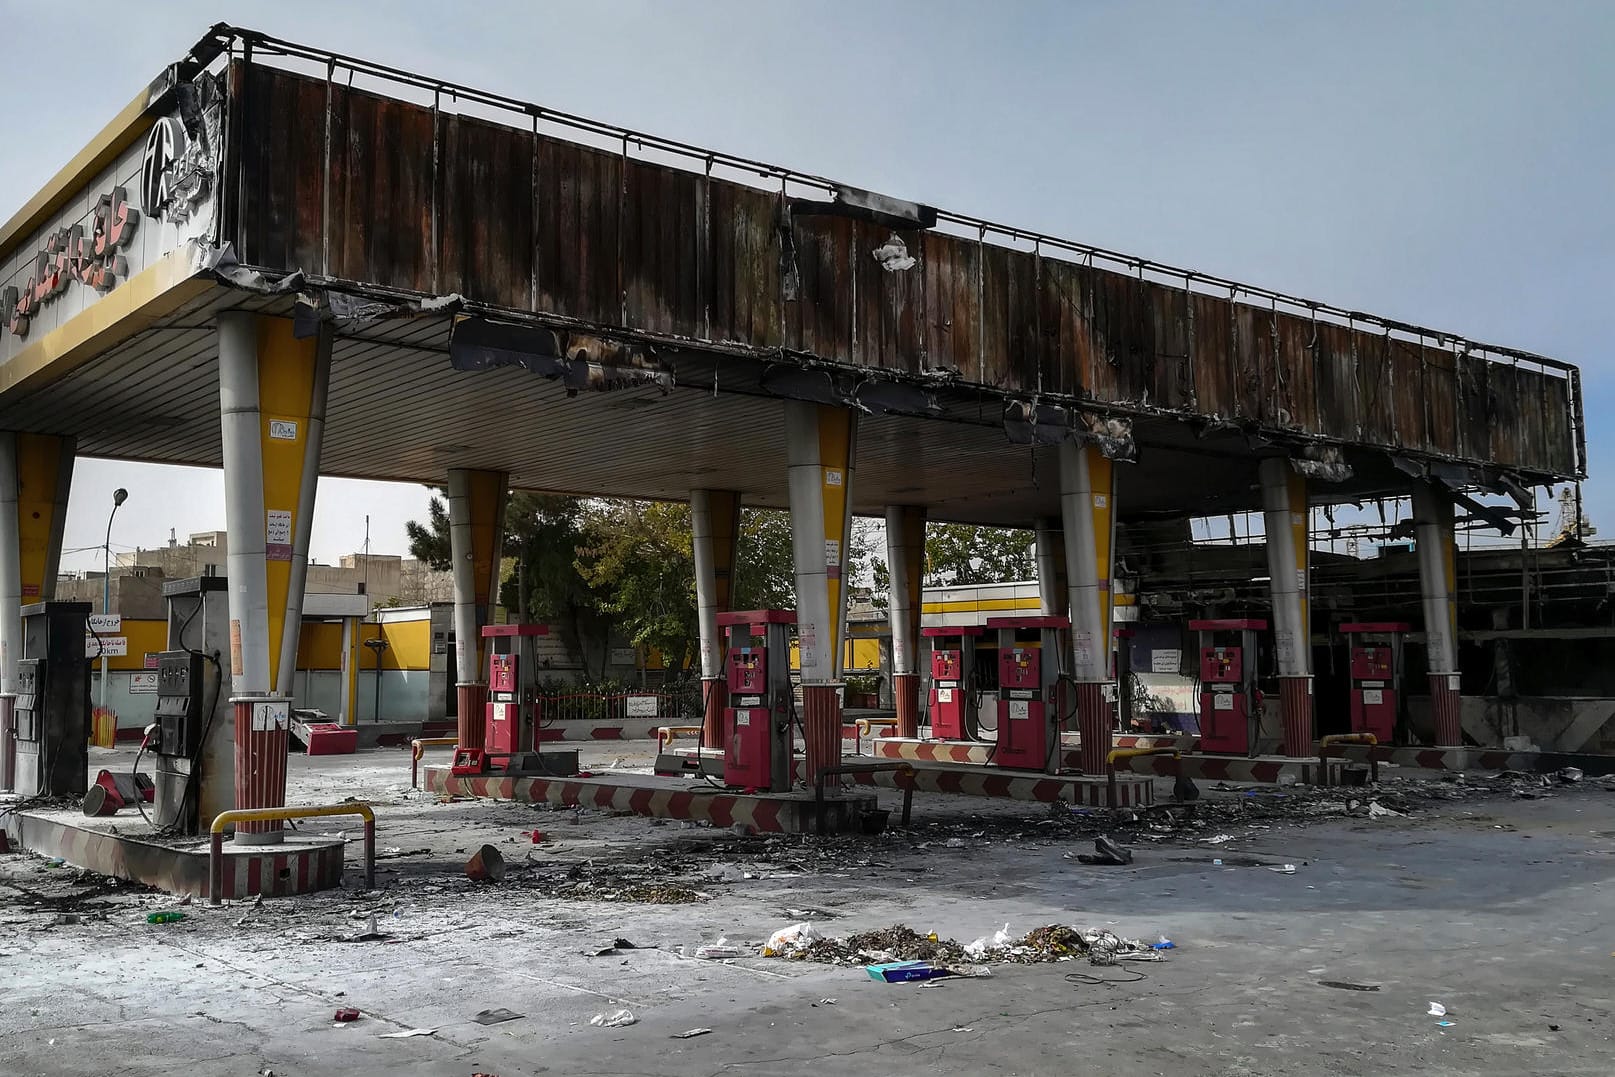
[{"x": 1052, "y": 942}]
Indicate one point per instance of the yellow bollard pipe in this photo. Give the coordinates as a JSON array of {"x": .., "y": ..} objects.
[
  {"x": 417, "y": 748},
  {"x": 262, "y": 815},
  {"x": 1129, "y": 753},
  {"x": 1346, "y": 738}
]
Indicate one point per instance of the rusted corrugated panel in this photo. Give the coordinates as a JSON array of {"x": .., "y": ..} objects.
[
  {"x": 485, "y": 223},
  {"x": 744, "y": 300},
  {"x": 822, "y": 318},
  {"x": 951, "y": 303},
  {"x": 1173, "y": 383},
  {"x": 891, "y": 303},
  {"x": 1376, "y": 390},
  {"x": 283, "y": 163},
  {"x": 576, "y": 237},
  {"x": 1214, "y": 383},
  {"x": 1474, "y": 422},
  {"x": 1297, "y": 394},
  {"x": 662, "y": 249},
  {"x": 1440, "y": 399},
  {"x": 1339, "y": 410}
]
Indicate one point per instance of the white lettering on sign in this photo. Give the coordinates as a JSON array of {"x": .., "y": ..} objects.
[
  {"x": 1166, "y": 660},
  {"x": 106, "y": 624},
  {"x": 832, "y": 477},
  {"x": 642, "y": 706},
  {"x": 106, "y": 647},
  {"x": 142, "y": 684},
  {"x": 267, "y": 717},
  {"x": 283, "y": 429},
  {"x": 1373, "y": 696}
]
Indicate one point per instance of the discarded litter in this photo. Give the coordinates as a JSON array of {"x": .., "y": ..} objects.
[
  {"x": 722, "y": 950},
  {"x": 1001, "y": 938},
  {"x": 825, "y": 1002},
  {"x": 1445, "y": 1024},
  {"x": 369, "y": 934},
  {"x": 407, "y": 1034},
  {"x": 962, "y": 1028},
  {"x": 165, "y": 918},
  {"x": 616, "y": 1019},
  {"x": 487, "y": 865},
  {"x": 1107, "y": 852},
  {"x": 1217, "y": 863},
  {"x": 496, "y": 1017},
  {"x": 791, "y": 940},
  {"x": 1283, "y": 869},
  {"x": 1342, "y": 985},
  {"x": 896, "y": 972},
  {"x": 691, "y": 1033},
  {"x": 1218, "y": 840},
  {"x": 1437, "y": 1010},
  {"x": 1570, "y": 775},
  {"x": 55, "y": 862},
  {"x": 1376, "y": 810},
  {"x": 345, "y": 1015},
  {"x": 1163, "y": 943}
]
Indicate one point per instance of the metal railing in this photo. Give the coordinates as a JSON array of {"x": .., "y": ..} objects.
[
  {"x": 215, "y": 860},
  {"x": 619, "y": 706}
]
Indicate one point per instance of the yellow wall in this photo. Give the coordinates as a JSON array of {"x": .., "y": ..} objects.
[{"x": 319, "y": 646}]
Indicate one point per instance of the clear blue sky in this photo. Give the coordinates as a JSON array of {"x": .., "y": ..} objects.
[{"x": 1448, "y": 163}]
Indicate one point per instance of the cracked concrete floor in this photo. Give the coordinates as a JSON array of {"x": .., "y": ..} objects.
[{"x": 1499, "y": 908}]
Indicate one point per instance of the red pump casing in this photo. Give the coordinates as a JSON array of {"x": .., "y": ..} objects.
[
  {"x": 946, "y": 704},
  {"x": 1224, "y": 714},
  {"x": 748, "y": 748},
  {"x": 1373, "y": 696},
  {"x": 1023, "y": 727}
]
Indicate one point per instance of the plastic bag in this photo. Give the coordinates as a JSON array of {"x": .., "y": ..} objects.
[
  {"x": 791, "y": 940},
  {"x": 997, "y": 941},
  {"x": 613, "y": 1020}
]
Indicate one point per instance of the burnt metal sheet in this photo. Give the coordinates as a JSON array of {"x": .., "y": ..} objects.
[{"x": 400, "y": 196}]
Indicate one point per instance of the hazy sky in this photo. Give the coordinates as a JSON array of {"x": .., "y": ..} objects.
[{"x": 1445, "y": 163}]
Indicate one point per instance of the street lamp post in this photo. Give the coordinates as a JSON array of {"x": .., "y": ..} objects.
[
  {"x": 119, "y": 496},
  {"x": 377, "y": 645}
]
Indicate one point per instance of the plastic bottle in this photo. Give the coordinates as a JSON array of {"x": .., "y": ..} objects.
[{"x": 165, "y": 918}]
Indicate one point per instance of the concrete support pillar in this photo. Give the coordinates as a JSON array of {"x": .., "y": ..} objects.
[
  {"x": 36, "y": 475},
  {"x": 1438, "y": 586},
  {"x": 476, "y": 539},
  {"x": 1053, "y": 588},
  {"x": 905, "y": 562},
  {"x": 1087, "y": 500},
  {"x": 820, "y": 447},
  {"x": 715, "y": 533},
  {"x": 272, "y": 389},
  {"x": 1284, "y": 520}
]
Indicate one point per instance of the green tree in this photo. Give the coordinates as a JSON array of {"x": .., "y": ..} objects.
[
  {"x": 963, "y": 554},
  {"x": 641, "y": 561},
  {"x": 765, "y": 572}
]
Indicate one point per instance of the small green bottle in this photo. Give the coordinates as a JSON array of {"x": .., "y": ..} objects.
[{"x": 165, "y": 918}]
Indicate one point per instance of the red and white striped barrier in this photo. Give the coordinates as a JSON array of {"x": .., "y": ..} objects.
[
  {"x": 271, "y": 870},
  {"x": 786, "y": 813}
]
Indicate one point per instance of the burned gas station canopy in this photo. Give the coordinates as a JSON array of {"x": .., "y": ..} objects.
[{"x": 599, "y": 311}]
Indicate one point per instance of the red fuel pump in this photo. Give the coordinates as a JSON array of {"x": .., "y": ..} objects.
[
  {"x": 1376, "y": 676},
  {"x": 1028, "y": 690},
  {"x": 1230, "y": 705},
  {"x": 951, "y": 702},
  {"x": 512, "y": 714},
  {"x": 757, "y": 722}
]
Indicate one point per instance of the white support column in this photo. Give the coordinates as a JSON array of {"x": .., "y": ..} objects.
[
  {"x": 1284, "y": 525},
  {"x": 467, "y": 627},
  {"x": 241, "y": 429},
  {"x": 1087, "y": 501},
  {"x": 1435, "y": 532},
  {"x": 10, "y": 569},
  {"x": 1051, "y": 577},
  {"x": 905, "y": 563},
  {"x": 476, "y": 538}
]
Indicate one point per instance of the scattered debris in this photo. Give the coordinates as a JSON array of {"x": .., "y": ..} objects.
[
  {"x": 788, "y": 940},
  {"x": 1163, "y": 943},
  {"x": 1437, "y": 1010},
  {"x": 1107, "y": 852},
  {"x": 722, "y": 950},
  {"x": 497, "y": 1017},
  {"x": 616, "y": 1019},
  {"x": 1342, "y": 985},
  {"x": 1376, "y": 810},
  {"x": 369, "y": 934},
  {"x": 487, "y": 865},
  {"x": 1218, "y": 840},
  {"x": 825, "y": 1002},
  {"x": 1570, "y": 775},
  {"x": 898, "y": 944},
  {"x": 896, "y": 972},
  {"x": 690, "y": 1033},
  {"x": 999, "y": 940},
  {"x": 407, "y": 1034},
  {"x": 1283, "y": 869},
  {"x": 346, "y": 1015}
]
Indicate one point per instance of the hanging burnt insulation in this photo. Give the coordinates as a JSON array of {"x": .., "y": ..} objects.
[
  {"x": 1026, "y": 423},
  {"x": 581, "y": 360},
  {"x": 1325, "y": 463},
  {"x": 880, "y": 397},
  {"x": 1114, "y": 436}
]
